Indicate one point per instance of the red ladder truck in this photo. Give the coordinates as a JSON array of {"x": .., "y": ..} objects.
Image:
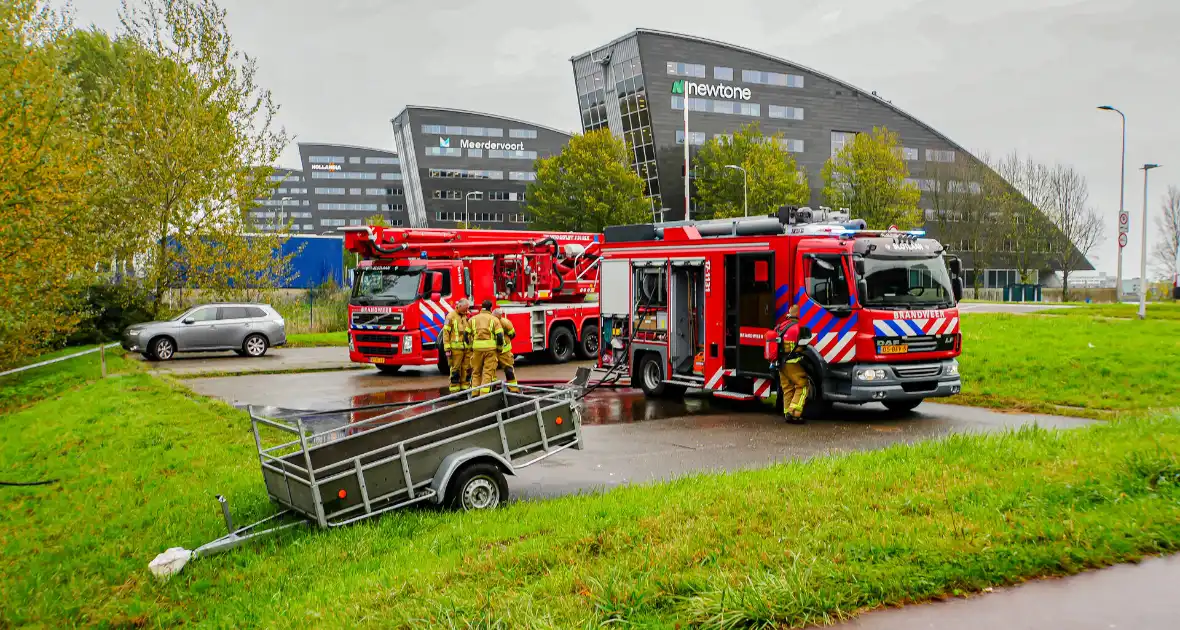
[
  {"x": 688, "y": 305},
  {"x": 409, "y": 279}
]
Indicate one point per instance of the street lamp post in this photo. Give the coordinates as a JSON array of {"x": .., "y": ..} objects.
[
  {"x": 1143, "y": 253},
  {"x": 466, "y": 212},
  {"x": 283, "y": 210},
  {"x": 1124, "y": 218},
  {"x": 745, "y": 188}
]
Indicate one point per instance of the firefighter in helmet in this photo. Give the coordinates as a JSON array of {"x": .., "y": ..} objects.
[
  {"x": 487, "y": 336},
  {"x": 457, "y": 345},
  {"x": 792, "y": 378},
  {"x": 504, "y": 357}
]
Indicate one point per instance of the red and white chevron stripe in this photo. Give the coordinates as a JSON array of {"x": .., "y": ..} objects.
[{"x": 837, "y": 348}]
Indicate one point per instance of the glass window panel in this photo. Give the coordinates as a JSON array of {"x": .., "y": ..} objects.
[{"x": 721, "y": 73}]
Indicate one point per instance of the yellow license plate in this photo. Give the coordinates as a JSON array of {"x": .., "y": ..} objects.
[
  {"x": 901, "y": 349},
  {"x": 378, "y": 359}
]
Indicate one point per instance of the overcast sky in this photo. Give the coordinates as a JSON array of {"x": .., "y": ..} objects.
[{"x": 994, "y": 75}]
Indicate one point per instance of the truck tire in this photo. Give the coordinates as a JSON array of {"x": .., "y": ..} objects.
[
  {"x": 477, "y": 486},
  {"x": 902, "y": 406},
  {"x": 588, "y": 346},
  {"x": 815, "y": 407},
  {"x": 444, "y": 368},
  {"x": 390, "y": 370},
  {"x": 561, "y": 344},
  {"x": 651, "y": 378}
]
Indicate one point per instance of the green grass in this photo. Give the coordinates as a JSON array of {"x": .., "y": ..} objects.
[
  {"x": 1155, "y": 310},
  {"x": 317, "y": 340},
  {"x": 24, "y": 388},
  {"x": 140, "y": 458},
  {"x": 1037, "y": 362}
]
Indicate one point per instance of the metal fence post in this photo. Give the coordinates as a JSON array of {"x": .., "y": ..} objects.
[{"x": 102, "y": 358}]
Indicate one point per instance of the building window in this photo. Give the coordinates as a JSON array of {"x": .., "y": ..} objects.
[
  {"x": 789, "y": 113},
  {"x": 392, "y": 207},
  {"x": 281, "y": 191},
  {"x": 348, "y": 207},
  {"x": 841, "y": 139},
  {"x": 382, "y": 160},
  {"x": 383, "y": 191},
  {"x": 463, "y": 173},
  {"x": 306, "y": 202},
  {"x": 936, "y": 155},
  {"x": 512, "y": 155},
  {"x": 332, "y": 222},
  {"x": 444, "y": 151},
  {"x": 298, "y": 191},
  {"x": 694, "y": 137},
  {"x": 354, "y": 191},
  {"x": 717, "y": 107},
  {"x": 790, "y": 144},
  {"x": 909, "y": 155},
  {"x": 354, "y": 159},
  {"x": 721, "y": 73},
  {"x": 772, "y": 78},
  {"x": 686, "y": 69},
  {"x": 522, "y": 176},
  {"x": 299, "y": 215},
  {"x": 924, "y": 185},
  {"x": 518, "y": 218},
  {"x": 274, "y": 202},
  {"x": 325, "y": 159},
  {"x": 474, "y": 153},
  {"x": 329, "y": 191},
  {"x": 390, "y": 176},
  {"x": 344, "y": 175},
  {"x": 500, "y": 195},
  {"x": 964, "y": 187},
  {"x": 263, "y": 215},
  {"x": 453, "y": 130},
  {"x": 528, "y": 134},
  {"x": 447, "y": 194}
]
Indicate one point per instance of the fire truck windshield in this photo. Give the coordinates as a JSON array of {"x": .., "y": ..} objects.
[
  {"x": 906, "y": 283},
  {"x": 395, "y": 286}
]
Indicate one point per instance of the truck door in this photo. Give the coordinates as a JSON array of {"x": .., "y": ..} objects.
[{"x": 749, "y": 310}]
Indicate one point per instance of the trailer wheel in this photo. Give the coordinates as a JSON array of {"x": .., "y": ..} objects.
[
  {"x": 385, "y": 368},
  {"x": 588, "y": 346},
  {"x": 561, "y": 344},
  {"x": 477, "y": 486}
]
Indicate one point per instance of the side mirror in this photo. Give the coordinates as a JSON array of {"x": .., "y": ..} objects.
[
  {"x": 435, "y": 297},
  {"x": 858, "y": 265},
  {"x": 957, "y": 288},
  {"x": 189, "y": 320},
  {"x": 436, "y": 284},
  {"x": 862, "y": 290},
  {"x": 955, "y": 266}
]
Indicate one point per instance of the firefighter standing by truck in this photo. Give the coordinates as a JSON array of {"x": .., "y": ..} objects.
[
  {"x": 487, "y": 336},
  {"x": 457, "y": 344},
  {"x": 788, "y": 339},
  {"x": 505, "y": 359}
]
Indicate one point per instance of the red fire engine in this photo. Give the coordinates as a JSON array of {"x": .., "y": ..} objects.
[
  {"x": 409, "y": 280},
  {"x": 688, "y": 305}
]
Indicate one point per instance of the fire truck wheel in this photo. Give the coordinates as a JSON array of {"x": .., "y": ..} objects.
[
  {"x": 388, "y": 369},
  {"x": 444, "y": 367},
  {"x": 561, "y": 344},
  {"x": 902, "y": 406},
  {"x": 588, "y": 346},
  {"x": 651, "y": 375}
]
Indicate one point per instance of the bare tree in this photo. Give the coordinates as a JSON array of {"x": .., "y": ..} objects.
[
  {"x": 1019, "y": 221},
  {"x": 963, "y": 212},
  {"x": 1168, "y": 226},
  {"x": 1079, "y": 228}
]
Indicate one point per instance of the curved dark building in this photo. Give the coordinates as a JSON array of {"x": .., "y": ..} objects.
[
  {"x": 636, "y": 86},
  {"x": 460, "y": 164},
  {"x": 347, "y": 185}
]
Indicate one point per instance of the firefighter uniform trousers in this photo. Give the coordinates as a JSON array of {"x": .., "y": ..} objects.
[
  {"x": 792, "y": 380},
  {"x": 505, "y": 358},
  {"x": 486, "y": 337},
  {"x": 455, "y": 340}
]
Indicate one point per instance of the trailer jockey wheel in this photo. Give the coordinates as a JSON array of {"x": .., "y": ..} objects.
[{"x": 477, "y": 486}]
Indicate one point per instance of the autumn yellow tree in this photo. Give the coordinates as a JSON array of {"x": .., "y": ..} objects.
[
  {"x": 869, "y": 177},
  {"x": 46, "y": 235}
]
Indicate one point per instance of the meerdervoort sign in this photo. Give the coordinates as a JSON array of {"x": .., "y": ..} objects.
[
  {"x": 717, "y": 90},
  {"x": 492, "y": 146}
]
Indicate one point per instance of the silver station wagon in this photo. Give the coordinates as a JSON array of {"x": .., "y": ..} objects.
[{"x": 248, "y": 329}]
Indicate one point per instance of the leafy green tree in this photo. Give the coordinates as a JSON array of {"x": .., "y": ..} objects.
[
  {"x": 586, "y": 187},
  {"x": 773, "y": 178},
  {"x": 868, "y": 176}
]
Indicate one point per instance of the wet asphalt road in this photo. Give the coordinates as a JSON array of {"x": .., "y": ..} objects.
[
  {"x": 632, "y": 439},
  {"x": 1129, "y": 596}
]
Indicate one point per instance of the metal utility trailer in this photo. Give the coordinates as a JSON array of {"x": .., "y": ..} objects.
[{"x": 453, "y": 450}]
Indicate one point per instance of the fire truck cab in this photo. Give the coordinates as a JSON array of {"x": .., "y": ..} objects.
[{"x": 688, "y": 305}]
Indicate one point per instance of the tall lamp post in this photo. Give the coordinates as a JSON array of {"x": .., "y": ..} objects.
[
  {"x": 466, "y": 212},
  {"x": 283, "y": 211},
  {"x": 1143, "y": 253},
  {"x": 745, "y": 188},
  {"x": 1124, "y": 218}
]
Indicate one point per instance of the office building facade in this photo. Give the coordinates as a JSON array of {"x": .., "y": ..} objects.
[
  {"x": 463, "y": 166},
  {"x": 636, "y": 86},
  {"x": 338, "y": 186}
]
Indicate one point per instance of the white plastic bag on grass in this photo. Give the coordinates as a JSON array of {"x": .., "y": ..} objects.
[{"x": 170, "y": 562}]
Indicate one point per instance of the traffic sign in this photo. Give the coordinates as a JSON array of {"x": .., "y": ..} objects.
[
  {"x": 1124, "y": 221},
  {"x": 1122, "y": 240}
]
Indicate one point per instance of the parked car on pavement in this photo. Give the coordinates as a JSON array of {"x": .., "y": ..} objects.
[{"x": 248, "y": 329}]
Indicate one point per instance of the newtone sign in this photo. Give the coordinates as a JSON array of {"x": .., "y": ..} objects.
[{"x": 714, "y": 90}]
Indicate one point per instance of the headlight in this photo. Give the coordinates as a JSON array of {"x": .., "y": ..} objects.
[
  {"x": 407, "y": 344},
  {"x": 870, "y": 375},
  {"x": 952, "y": 369}
]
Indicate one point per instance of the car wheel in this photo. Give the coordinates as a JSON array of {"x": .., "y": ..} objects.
[
  {"x": 388, "y": 369},
  {"x": 478, "y": 486},
  {"x": 163, "y": 349},
  {"x": 254, "y": 346},
  {"x": 561, "y": 344},
  {"x": 588, "y": 346},
  {"x": 902, "y": 406}
]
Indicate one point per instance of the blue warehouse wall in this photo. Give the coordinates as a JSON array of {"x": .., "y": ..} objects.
[{"x": 320, "y": 260}]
